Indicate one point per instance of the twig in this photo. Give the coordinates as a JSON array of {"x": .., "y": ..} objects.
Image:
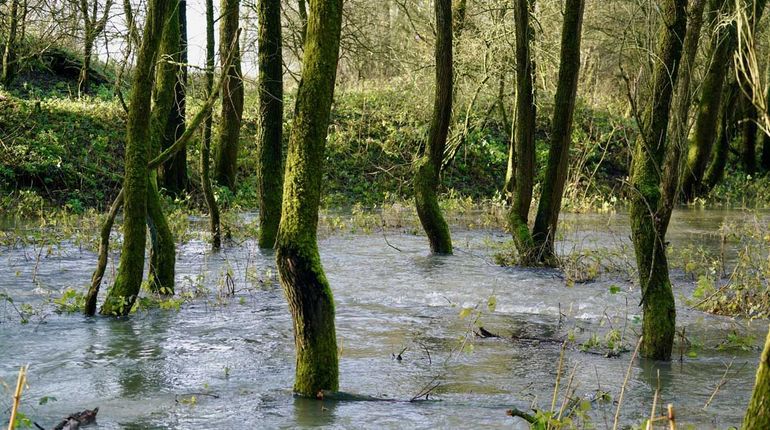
[
  {"x": 720, "y": 384},
  {"x": 17, "y": 395},
  {"x": 625, "y": 382},
  {"x": 558, "y": 376}
]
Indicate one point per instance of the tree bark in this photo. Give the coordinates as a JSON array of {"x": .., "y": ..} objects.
[
  {"x": 174, "y": 171},
  {"x": 548, "y": 209},
  {"x": 700, "y": 147},
  {"x": 299, "y": 264},
  {"x": 679, "y": 125},
  {"x": 226, "y": 157},
  {"x": 270, "y": 141},
  {"x": 716, "y": 170},
  {"x": 163, "y": 127},
  {"x": 121, "y": 297},
  {"x": 9, "y": 55},
  {"x": 658, "y": 307},
  {"x": 205, "y": 156},
  {"x": 758, "y": 413},
  {"x": 754, "y": 11},
  {"x": 302, "y": 6},
  {"x": 525, "y": 133},
  {"x": 428, "y": 165}
]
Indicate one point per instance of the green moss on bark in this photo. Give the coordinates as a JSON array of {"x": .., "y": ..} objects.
[
  {"x": 658, "y": 307},
  {"x": 544, "y": 230},
  {"x": 428, "y": 166},
  {"x": 128, "y": 280},
  {"x": 270, "y": 179},
  {"x": 163, "y": 248},
  {"x": 307, "y": 289},
  {"x": 525, "y": 134},
  {"x": 758, "y": 413},
  {"x": 226, "y": 154},
  {"x": 702, "y": 142}
]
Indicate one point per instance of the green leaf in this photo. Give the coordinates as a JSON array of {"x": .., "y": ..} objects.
[
  {"x": 614, "y": 289},
  {"x": 492, "y": 303},
  {"x": 45, "y": 399},
  {"x": 465, "y": 312}
]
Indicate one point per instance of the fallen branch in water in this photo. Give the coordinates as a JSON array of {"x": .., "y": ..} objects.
[
  {"x": 521, "y": 414},
  {"x": 74, "y": 421}
]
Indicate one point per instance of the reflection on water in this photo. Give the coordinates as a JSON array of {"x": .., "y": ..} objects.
[{"x": 228, "y": 362}]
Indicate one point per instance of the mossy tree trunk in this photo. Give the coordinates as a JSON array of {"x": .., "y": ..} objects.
[
  {"x": 302, "y": 7},
  {"x": 548, "y": 209},
  {"x": 702, "y": 142},
  {"x": 205, "y": 155},
  {"x": 748, "y": 134},
  {"x": 525, "y": 133},
  {"x": 658, "y": 307},
  {"x": 271, "y": 120},
  {"x": 680, "y": 115},
  {"x": 428, "y": 165},
  {"x": 9, "y": 54},
  {"x": 727, "y": 118},
  {"x": 299, "y": 264},
  {"x": 758, "y": 413},
  {"x": 163, "y": 128},
  {"x": 128, "y": 280},
  {"x": 174, "y": 171},
  {"x": 226, "y": 156}
]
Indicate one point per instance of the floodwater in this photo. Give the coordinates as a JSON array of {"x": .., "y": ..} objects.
[{"x": 226, "y": 362}]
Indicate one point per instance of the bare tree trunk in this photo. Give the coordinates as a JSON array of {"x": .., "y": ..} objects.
[
  {"x": 548, "y": 209},
  {"x": 208, "y": 193},
  {"x": 525, "y": 133}
]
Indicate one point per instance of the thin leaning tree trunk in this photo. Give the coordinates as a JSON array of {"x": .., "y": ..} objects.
[
  {"x": 658, "y": 307},
  {"x": 299, "y": 264},
  {"x": 270, "y": 182},
  {"x": 205, "y": 156},
  {"x": 548, "y": 209},
  {"x": 428, "y": 166}
]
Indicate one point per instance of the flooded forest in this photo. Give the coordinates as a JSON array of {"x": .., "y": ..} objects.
[{"x": 527, "y": 214}]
